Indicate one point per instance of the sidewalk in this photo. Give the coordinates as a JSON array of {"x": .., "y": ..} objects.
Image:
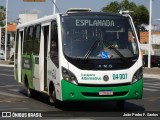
[
  {"x": 7, "y": 63},
  {"x": 154, "y": 70},
  {"x": 151, "y": 72}
]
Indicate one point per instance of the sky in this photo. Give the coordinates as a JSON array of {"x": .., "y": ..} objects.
[{"x": 15, "y": 7}]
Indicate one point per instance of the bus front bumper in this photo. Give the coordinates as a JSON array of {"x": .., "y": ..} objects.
[{"x": 71, "y": 92}]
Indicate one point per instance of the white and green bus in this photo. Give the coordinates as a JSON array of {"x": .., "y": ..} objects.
[{"x": 80, "y": 56}]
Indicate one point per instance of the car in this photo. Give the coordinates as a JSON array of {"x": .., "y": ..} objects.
[
  {"x": 1, "y": 55},
  {"x": 155, "y": 60}
]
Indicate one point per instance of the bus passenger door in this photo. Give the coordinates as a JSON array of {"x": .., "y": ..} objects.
[
  {"x": 18, "y": 58},
  {"x": 53, "y": 59},
  {"x": 36, "y": 51},
  {"x": 46, "y": 38}
]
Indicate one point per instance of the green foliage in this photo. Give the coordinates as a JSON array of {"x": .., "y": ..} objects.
[
  {"x": 2, "y": 15},
  {"x": 1, "y": 23},
  {"x": 140, "y": 13},
  {"x": 112, "y": 7}
]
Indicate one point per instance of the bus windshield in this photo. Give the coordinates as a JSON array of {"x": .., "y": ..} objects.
[
  {"x": 99, "y": 39},
  {"x": 96, "y": 34}
]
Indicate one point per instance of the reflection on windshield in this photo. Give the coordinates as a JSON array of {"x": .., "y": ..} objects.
[{"x": 81, "y": 33}]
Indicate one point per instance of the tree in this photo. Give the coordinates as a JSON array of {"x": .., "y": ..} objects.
[
  {"x": 2, "y": 15},
  {"x": 140, "y": 13},
  {"x": 112, "y": 7}
]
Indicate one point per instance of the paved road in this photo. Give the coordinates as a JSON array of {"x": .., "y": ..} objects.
[
  {"x": 152, "y": 85},
  {"x": 13, "y": 98}
]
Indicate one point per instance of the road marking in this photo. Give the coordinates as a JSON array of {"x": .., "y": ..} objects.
[
  {"x": 151, "y": 75},
  {"x": 151, "y": 98},
  {"x": 10, "y": 108},
  {"x": 15, "y": 90},
  {"x": 11, "y": 95},
  {"x": 6, "y": 75},
  {"x": 69, "y": 118},
  {"x": 152, "y": 84},
  {"x": 156, "y": 82},
  {"x": 149, "y": 89},
  {"x": 7, "y": 70}
]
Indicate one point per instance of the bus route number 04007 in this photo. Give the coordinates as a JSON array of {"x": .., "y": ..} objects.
[{"x": 120, "y": 76}]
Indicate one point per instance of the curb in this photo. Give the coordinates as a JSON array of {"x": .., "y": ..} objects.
[{"x": 3, "y": 65}]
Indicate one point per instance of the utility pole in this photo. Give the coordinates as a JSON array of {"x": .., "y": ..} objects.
[
  {"x": 6, "y": 31},
  {"x": 150, "y": 32},
  {"x": 54, "y": 7},
  {"x": 0, "y": 36}
]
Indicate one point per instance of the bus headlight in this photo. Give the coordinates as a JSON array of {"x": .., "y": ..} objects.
[
  {"x": 69, "y": 76},
  {"x": 138, "y": 75}
]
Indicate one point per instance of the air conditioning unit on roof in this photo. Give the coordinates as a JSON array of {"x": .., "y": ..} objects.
[{"x": 72, "y": 10}]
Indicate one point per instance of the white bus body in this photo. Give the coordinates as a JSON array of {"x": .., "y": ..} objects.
[{"x": 72, "y": 57}]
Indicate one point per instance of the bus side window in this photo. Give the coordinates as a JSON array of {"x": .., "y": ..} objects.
[
  {"x": 28, "y": 46},
  {"x": 36, "y": 40},
  {"x": 54, "y": 44},
  {"x": 30, "y": 39},
  {"x": 24, "y": 42},
  {"x": 17, "y": 41}
]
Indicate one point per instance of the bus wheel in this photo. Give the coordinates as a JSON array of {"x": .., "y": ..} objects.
[
  {"x": 52, "y": 96},
  {"x": 29, "y": 92},
  {"x": 120, "y": 104}
]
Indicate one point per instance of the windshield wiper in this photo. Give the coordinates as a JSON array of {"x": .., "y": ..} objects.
[
  {"x": 117, "y": 51},
  {"x": 110, "y": 46},
  {"x": 90, "y": 50}
]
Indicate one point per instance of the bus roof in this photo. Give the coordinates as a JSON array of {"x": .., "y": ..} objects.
[
  {"x": 51, "y": 17},
  {"x": 94, "y": 13},
  {"x": 40, "y": 20}
]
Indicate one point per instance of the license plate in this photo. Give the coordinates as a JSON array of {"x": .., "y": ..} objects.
[{"x": 109, "y": 92}]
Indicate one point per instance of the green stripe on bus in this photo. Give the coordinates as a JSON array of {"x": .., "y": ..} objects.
[
  {"x": 28, "y": 69},
  {"x": 71, "y": 92}
]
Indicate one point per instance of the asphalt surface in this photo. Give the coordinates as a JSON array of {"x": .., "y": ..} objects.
[
  {"x": 154, "y": 70},
  {"x": 13, "y": 98}
]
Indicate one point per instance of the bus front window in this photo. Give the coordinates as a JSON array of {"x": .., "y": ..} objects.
[{"x": 98, "y": 37}]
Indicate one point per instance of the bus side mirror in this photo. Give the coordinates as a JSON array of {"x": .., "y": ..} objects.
[
  {"x": 138, "y": 33},
  {"x": 142, "y": 55}
]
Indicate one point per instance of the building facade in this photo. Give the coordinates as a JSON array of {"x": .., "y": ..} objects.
[{"x": 155, "y": 42}]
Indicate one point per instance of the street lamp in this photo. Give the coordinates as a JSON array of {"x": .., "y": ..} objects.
[
  {"x": 54, "y": 7},
  {"x": 6, "y": 31},
  {"x": 150, "y": 30}
]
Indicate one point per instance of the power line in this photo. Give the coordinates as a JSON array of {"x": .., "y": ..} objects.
[{"x": 55, "y": 5}]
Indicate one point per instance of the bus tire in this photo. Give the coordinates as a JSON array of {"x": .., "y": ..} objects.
[
  {"x": 120, "y": 104},
  {"x": 52, "y": 95},
  {"x": 28, "y": 90}
]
